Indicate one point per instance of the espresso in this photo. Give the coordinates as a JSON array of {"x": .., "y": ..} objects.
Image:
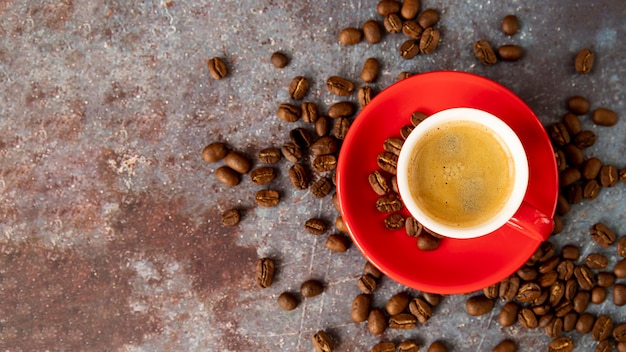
[{"x": 461, "y": 174}]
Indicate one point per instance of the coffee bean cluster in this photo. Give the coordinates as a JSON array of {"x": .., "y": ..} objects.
[{"x": 508, "y": 52}]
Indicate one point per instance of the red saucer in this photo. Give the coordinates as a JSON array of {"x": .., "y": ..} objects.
[{"x": 457, "y": 266}]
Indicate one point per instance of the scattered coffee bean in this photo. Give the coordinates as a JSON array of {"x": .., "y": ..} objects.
[
  {"x": 620, "y": 269},
  {"x": 388, "y": 162},
  {"x": 262, "y": 175},
  {"x": 584, "y": 61},
  {"x": 384, "y": 346},
  {"x": 340, "y": 224},
  {"x": 311, "y": 288},
  {"x": 409, "y": 9},
  {"x": 572, "y": 124},
  {"x": 403, "y": 75},
  {"x": 397, "y": 303},
  {"x": 412, "y": 227},
  {"x": 484, "y": 53},
  {"x": 621, "y": 347},
  {"x": 217, "y": 68},
  {"x": 299, "y": 176},
  {"x": 561, "y": 344},
  {"x": 605, "y": 279},
  {"x": 298, "y": 87},
  {"x": 569, "y": 321},
  {"x": 574, "y": 154},
  {"x": 608, "y": 176},
  {"x": 602, "y": 235},
  {"x": 392, "y": 23},
  {"x": 585, "y": 277},
  {"x": 376, "y": 321},
  {"x": 324, "y": 146},
  {"x": 510, "y": 24},
  {"x": 410, "y": 345},
  {"x": 561, "y": 161},
  {"x": 394, "y": 221},
  {"x": 389, "y": 203},
  {"x": 287, "y": 301},
  {"x": 427, "y": 242},
  {"x": 265, "y": 272},
  {"x": 602, "y": 328},
  {"x": 322, "y": 126},
  {"x": 578, "y": 105},
  {"x": 619, "y": 332},
  {"x": 528, "y": 292},
  {"x": 231, "y": 217},
  {"x": 597, "y": 261},
  {"x": 341, "y": 109},
  {"x": 324, "y": 163},
  {"x": 385, "y": 7},
  {"x": 341, "y": 127},
  {"x": 545, "y": 319},
  {"x": 269, "y": 155},
  {"x": 505, "y": 346},
  {"x": 337, "y": 243},
  {"x": 428, "y": 18},
  {"x": 409, "y": 49},
  {"x": 291, "y": 152},
  {"x": 571, "y": 288},
  {"x": 321, "y": 188},
  {"x": 412, "y": 30},
  {"x": 508, "y": 314},
  {"x": 591, "y": 189},
  {"x": 417, "y": 117},
  {"x": 365, "y": 95},
  {"x": 369, "y": 73},
  {"x": 432, "y": 298},
  {"x": 361, "y": 307},
  {"x": 508, "y": 288},
  {"x": 372, "y": 32},
  {"x": 379, "y": 183},
  {"x": 622, "y": 175},
  {"x": 315, "y": 226},
  {"x": 429, "y": 40},
  {"x": 267, "y": 198},
  {"x": 437, "y": 346},
  {"x": 558, "y": 133},
  {"x": 350, "y": 36},
  {"x": 339, "y": 86},
  {"x": 605, "y": 346},
  {"x": 569, "y": 176},
  {"x": 510, "y": 52},
  {"x": 554, "y": 328},
  {"x": 322, "y": 342},
  {"x": 404, "y": 321},
  {"x": 309, "y": 112},
  {"x": 527, "y": 318},
  {"x": 367, "y": 284},
  {"x": 585, "y": 323},
  {"x": 621, "y": 247},
  {"x": 598, "y": 295},
  {"x": 565, "y": 270},
  {"x": 279, "y": 60},
  {"x": 585, "y": 139},
  {"x": 581, "y": 301},
  {"x": 288, "y": 112},
  {"x": 478, "y": 305},
  {"x": 215, "y": 151},
  {"x": 227, "y": 176},
  {"x": 301, "y": 137},
  {"x": 406, "y": 130},
  {"x": 591, "y": 168},
  {"x": 420, "y": 309},
  {"x": 570, "y": 251}
]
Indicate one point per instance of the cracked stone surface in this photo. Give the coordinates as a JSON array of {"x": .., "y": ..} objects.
[{"x": 110, "y": 221}]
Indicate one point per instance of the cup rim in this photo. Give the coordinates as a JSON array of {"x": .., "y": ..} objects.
[{"x": 505, "y": 133}]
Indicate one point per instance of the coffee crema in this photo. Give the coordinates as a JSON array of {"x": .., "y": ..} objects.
[{"x": 461, "y": 174}]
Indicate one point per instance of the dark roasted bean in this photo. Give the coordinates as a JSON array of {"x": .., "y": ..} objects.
[
  {"x": 267, "y": 198},
  {"x": 372, "y": 32},
  {"x": 350, "y": 36},
  {"x": 279, "y": 60},
  {"x": 602, "y": 235},
  {"x": 584, "y": 61},
  {"x": 298, "y": 87},
  {"x": 478, "y": 305},
  {"x": 217, "y": 68},
  {"x": 509, "y": 24},
  {"x": 322, "y": 342},
  {"x": 262, "y": 175},
  {"x": 361, "y": 307},
  {"x": 265, "y": 272},
  {"x": 429, "y": 40},
  {"x": 287, "y": 301},
  {"x": 339, "y": 86},
  {"x": 484, "y": 53},
  {"x": 215, "y": 151}
]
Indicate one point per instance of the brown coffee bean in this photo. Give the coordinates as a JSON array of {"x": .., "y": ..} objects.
[
  {"x": 301, "y": 137},
  {"x": 478, "y": 305},
  {"x": 608, "y": 176},
  {"x": 227, "y": 176},
  {"x": 605, "y": 346},
  {"x": 597, "y": 261},
  {"x": 528, "y": 292},
  {"x": 339, "y": 86},
  {"x": 409, "y": 9},
  {"x": 337, "y": 243},
  {"x": 581, "y": 301},
  {"x": 388, "y": 162},
  {"x": 389, "y": 203},
  {"x": 267, "y": 198},
  {"x": 591, "y": 189},
  {"x": 322, "y": 342},
  {"x": 393, "y": 145},
  {"x": 393, "y": 23},
  {"x": 324, "y": 146},
  {"x": 575, "y": 156},
  {"x": 417, "y": 117},
  {"x": 598, "y": 295},
  {"x": 427, "y": 242},
  {"x": 605, "y": 279},
  {"x": 510, "y": 24},
  {"x": 279, "y": 60},
  {"x": 602, "y": 235},
  {"x": 385, "y": 7},
  {"x": 619, "y": 332},
  {"x": 621, "y": 247},
  {"x": 405, "y": 131},
  {"x": 376, "y": 321},
  {"x": 394, "y": 221},
  {"x": 288, "y": 112},
  {"x": 298, "y": 87},
  {"x": 403, "y": 75},
  {"x": 311, "y": 288},
  {"x": 315, "y": 226},
  {"x": 541, "y": 310},
  {"x": 420, "y": 309},
  {"x": 558, "y": 133},
  {"x": 324, "y": 163},
  {"x": 350, "y": 36},
  {"x": 585, "y": 139},
  {"x": 561, "y": 161},
  {"x": 322, "y": 126},
  {"x": 341, "y": 127},
  {"x": 554, "y": 328},
  {"x": 585, "y": 277},
  {"x": 492, "y": 291},
  {"x": 429, "y": 40},
  {"x": 558, "y": 224},
  {"x": 321, "y": 188},
  {"x": 217, "y": 68},
  {"x": 510, "y": 52},
  {"x": 215, "y": 151},
  {"x": 370, "y": 269},
  {"x": 291, "y": 152},
  {"x": 545, "y": 319},
  {"x": 428, "y": 18},
  {"x": 410, "y": 345},
  {"x": 340, "y": 224},
  {"x": 384, "y": 346},
  {"x": 360, "y": 308},
  {"x": 591, "y": 168},
  {"x": 365, "y": 95},
  {"x": 572, "y": 124},
  {"x": 287, "y": 301},
  {"x": 543, "y": 297},
  {"x": 584, "y": 61},
  {"x": 564, "y": 307},
  {"x": 484, "y": 53},
  {"x": 571, "y": 288},
  {"x": 412, "y": 30},
  {"x": 527, "y": 318},
  {"x": 309, "y": 112},
  {"x": 299, "y": 176},
  {"x": 620, "y": 269},
  {"x": 231, "y": 217},
  {"x": 379, "y": 183},
  {"x": 549, "y": 265},
  {"x": 265, "y": 272},
  {"x": 372, "y": 31},
  {"x": 262, "y": 175},
  {"x": 269, "y": 155},
  {"x": 369, "y": 73},
  {"x": 569, "y": 321},
  {"x": 604, "y": 117},
  {"x": 565, "y": 270},
  {"x": 509, "y": 288},
  {"x": 578, "y": 105},
  {"x": 437, "y": 346},
  {"x": 585, "y": 323},
  {"x": 237, "y": 162},
  {"x": 602, "y": 328},
  {"x": 561, "y": 344},
  {"x": 367, "y": 284},
  {"x": 404, "y": 321},
  {"x": 508, "y": 314},
  {"x": 433, "y": 299},
  {"x": 569, "y": 176},
  {"x": 397, "y": 303},
  {"x": 621, "y": 347},
  {"x": 341, "y": 109},
  {"x": 409, "y": 49}
]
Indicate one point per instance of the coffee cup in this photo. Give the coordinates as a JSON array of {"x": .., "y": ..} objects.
[{"x": 463, "y": 173}]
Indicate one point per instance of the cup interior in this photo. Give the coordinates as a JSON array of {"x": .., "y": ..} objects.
[{"x": 507, "y": 138}]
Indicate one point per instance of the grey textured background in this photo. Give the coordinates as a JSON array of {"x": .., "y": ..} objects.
[{"x": 110, "y": 231}]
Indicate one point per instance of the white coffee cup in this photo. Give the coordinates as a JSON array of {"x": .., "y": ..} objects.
[{"x": 468, "y": 198}]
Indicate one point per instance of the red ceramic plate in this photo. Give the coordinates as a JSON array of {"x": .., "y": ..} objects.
[{"x": 457, "y": 266}]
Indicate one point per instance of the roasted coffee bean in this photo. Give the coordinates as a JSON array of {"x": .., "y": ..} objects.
[
  {"x": 569, "y": 176},
  {"x": 528, "y": 292},
  {"x": 409, "y": 49},
  {"x": 608, "y": 176},
  {"x": 561, "y": 161},
  {"x": 605, "y": 279},
  {"x": 322, "y": 187},
  {"x": 262, "y": 175},
  {"x": 571, "y": 288},
  {"x": 340, "y": 224},
  {"x": 397, "y": 303},
  {"x": 339, "y": 86},
  {"x": 324, "y": 146},
  {"x": 392, "y": 23},
  {"x": 404, "y": 321},
  {"x": 365, "y": 95},
  {"x": 527, "y": 318},
  {"x": 558, "y": 224},
  {"x": 478, "y": 305},
  {"x": 267, "y": 198},
  {"x": 379, "y": 183},
  {"x": 558, "y": 132},
  {"x": 311, "y": 288},
  {"x": 429, "y": 40},
  {"x": 591, "y": 168},
  {"x": 388, "y": 162},
  {"x": 620, "y": 269},
  {"x": 369, "y": 73},
  {"x": 309, "y": 112},
  {"x": 394, "y": 221},
  {"x": 565, "y": 270},
  {"x": 543, "y": 297},
  {"x": 621, "y": 347},
  {"x": 549, "y": 264},
  {"x": 409, "y": 9},
  {"x": 508, "y": 314},
  {"x": 417, "y": 117},
  {"x": 554, "y": 328},
  {"x": 372, "y": 31},
  {"x": 428, "y": 18},
  {"x": 619, "y": 332},
  {"x": 324, "y": 163},
  {"x": 509, "y": 288},
  {"x": 322, "y": 342},
  {"x": 621, "y": 247},
  {"x": 585, "y": 139},
  {"x": 298, "y": 87},
  {"x": 546, "y": 251},
  {"x": 350, "y": 36},
  {"x": 581, "y": 301},
  {"x": 585, "y": 277},
  {"x": 570, "y": 251},
  {"x": 598, "y": 295},
  {"x": 605, "y": 346},
  {"x": 591, "y": 189},
  {"x": 437, "y": 346},
  {"x": 604, "y": 117},
  {"x": 584, "y": 61},
  {"x": 427, "y": 242},
  {"x": 572, "y": 124},
  {"x": 288, "y": 112},
  {"x": 510, "y": 24},
  {"x": 578, "y": 105},
  {"x": 403, "y": 75},
  {"x": 410, "y": 345},
  {"x": 291, "y": 152},
  {"x": 412, "y": 30},
  {"x": 545, "y": 319},
  {"x": 389, "y": 203},
  {"x": 279, "y": 60},
  {"x": 370, "y": 269},
  {"x": 227, "y": 176},
  {"x": 432, "y": 298},
  {"x": 541, "y": 309},
  {"x": 376, "y": 321},
  {"x": 361, "y": 307},
  {"x": 384, "y": 346},
  {"x": 301, "y": 137},
  {"x": 269, "y": 155},
  {"x": 393, "y": 145},
  {"x": 215, "y": 151},
  {"x": 420, "y": 309},
  {"x": 394, "y": 184},
  {"x": 602, "y": 235},
  {"x": 574, "y": 155},
  {"x": 602, "y": 328},
  {"x": 385, "y": 7},
  {"x": 237, "y": 162},
  {"x": 217, "y": 68},
  {"x": 265, "y": 272},
  {"x": 597, "y": 261},
  {"x": 340, "y": 128},
  {"x": 337, "y": 243},
  {"x": 569, "y": 321},
  {"x": 484, "y": 53},
  {"x": 585, "y": 323},
  {"x": 231, "y": 217},
  {"x": 287, "y": 301},
  {"x": 315, "y": 226},
  {"x": 492, "y": 291},
  {"x": 412, "y": 227},
  {"x": 299, "y": 176},
  {"x": 510, "y": 52},
  {"x": 406, "y": 130},
  {"x": 322, "y": 126},
  {"x": 367, "y": 284},
  {"x": 561, "y": 344}
]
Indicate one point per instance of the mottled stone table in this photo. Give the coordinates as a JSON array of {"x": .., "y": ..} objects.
[{"x": 110, "y": 219}]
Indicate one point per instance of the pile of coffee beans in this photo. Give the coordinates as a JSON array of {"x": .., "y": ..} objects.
[{"x": 507, "y": 52}]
